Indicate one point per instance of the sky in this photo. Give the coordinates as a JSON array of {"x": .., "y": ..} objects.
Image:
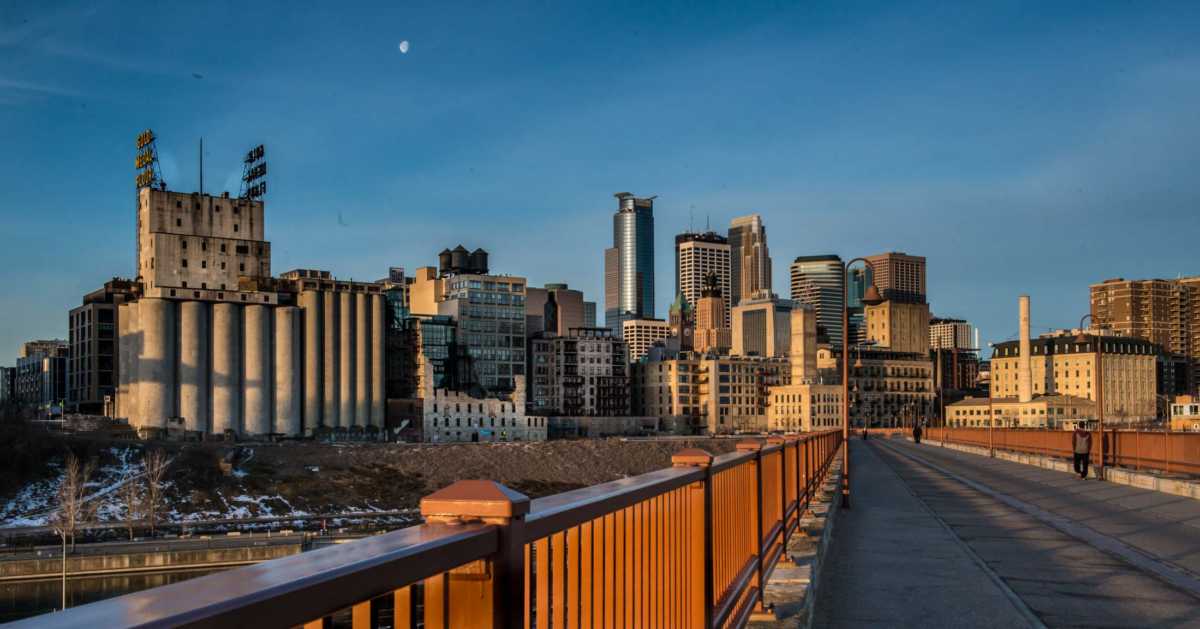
[{"x": 1022, "y": 147}]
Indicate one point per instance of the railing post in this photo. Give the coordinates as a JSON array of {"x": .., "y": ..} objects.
[
  {"x": 700, "y": 586},
  {"x": 782, "y": 443},
  {"x": 759, "y": 581},
  {"x": 486, "y": 593}
]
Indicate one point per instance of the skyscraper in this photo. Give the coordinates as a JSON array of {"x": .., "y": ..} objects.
[
  {"x": 696, "y": 256},
  {"x": 899, "y": 276},
  {"x": 749, "y": 260},
  {"x": 629, "y": 263},
  {"x": 1166, "y": 312},
  {"x": 818, "y": 281}
]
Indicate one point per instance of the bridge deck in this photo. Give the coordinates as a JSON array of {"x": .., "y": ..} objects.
[{"x": 943, "y": 538}]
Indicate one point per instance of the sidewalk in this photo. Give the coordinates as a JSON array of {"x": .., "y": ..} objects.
[{"x": 894, "y": 564}]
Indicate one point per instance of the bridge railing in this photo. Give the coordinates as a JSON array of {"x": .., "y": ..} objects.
[
  {"x": 1171, "y": 452},
  {"x": 690, "y": 545}
]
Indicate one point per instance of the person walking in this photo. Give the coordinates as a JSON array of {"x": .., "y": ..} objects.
[
  {"x": 917, "y": 433},
  {"x": 1082, "y": 441}
]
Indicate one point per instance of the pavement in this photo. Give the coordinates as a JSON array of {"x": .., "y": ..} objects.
[{"x": 940, "y": 538}]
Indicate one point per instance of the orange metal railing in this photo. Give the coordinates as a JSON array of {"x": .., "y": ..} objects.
[
  {"x": 1171, "y": 452},
  {"x": 686, "y": 546}
]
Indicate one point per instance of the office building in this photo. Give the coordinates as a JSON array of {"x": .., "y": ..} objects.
[
  {"x": 899, "y": 276},
  {"x": 1164, "y": 312},
  {"x": 8, "y": 379},
  {"x": 629, "y": 263},
  {"x": 712, "y": 333},
  {"x": 696, "y": 257},
  {"x": 761, "y": 326},
  {"x": 887, "y": 388},
  {"x": 950, "y": 334},
  {"x": 641, "y": 334},
  {"x": 585, "y": 373},
  {"x": 749, "y": 259},
  {"x": 589, "y": 314},
  {"x": 40, "y": 375},
  {"x": 818, "y": 281},
  {"x": 807, "y": 402},
  {"x": 489, "y": 310},
  {"x": 92, "y": 362}
]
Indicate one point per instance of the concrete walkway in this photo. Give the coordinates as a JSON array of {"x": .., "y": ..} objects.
[
  {"x": 894, "y": 564},
  {"x": 943, "y": 538}
]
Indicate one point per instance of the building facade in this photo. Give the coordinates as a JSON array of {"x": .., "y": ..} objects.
[
  {"x": 950, "y": 334},
  {"x": 712, "y": 333},
  {"x": 92, "y": 362},
  {"x": 749, "y": 259},
  {"x": 566, "y": 308},
  {"x": 761, "y": 327},
  {"x": 899, "y": 276},
  {"x": 807, "y": 402},
  {"x": 641, "y": 334},
  {"x": 819, "y": 281},
  {"x": 711, "y": 394},
  {"x": 898, "y": 325},
  {"x": 40, "y": 375},
  {"x": 456, "y": 416},
  {"x": 585, "y": 373},
  {"x": 696, "y": 257},
  {"x": 1164, "y": 312},
  {"x": 629, "y": 263}
]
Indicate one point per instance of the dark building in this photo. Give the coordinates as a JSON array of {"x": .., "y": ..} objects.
[
  {"x": 585, "y": 373},
  {"x": 92, "y": 361}
]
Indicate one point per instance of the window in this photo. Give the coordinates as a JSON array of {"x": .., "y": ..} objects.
[
  {"x": 204, "y": 264},
  {"x": 184, "y": 245},
  {"x": 235, "y": 227},
  {"x": 185, "y": 263},
  {"x": 222, "y": 248},
  {"x": 242, "y": 267}
]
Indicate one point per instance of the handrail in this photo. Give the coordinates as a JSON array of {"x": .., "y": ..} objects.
[
  {"x": 291, "y": 590},
  {"x": 691, "y": 545}
]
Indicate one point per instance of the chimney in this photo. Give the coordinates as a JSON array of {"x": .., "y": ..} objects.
[
  {"x": 1025, "y": 361},
  {"x": 803, "y": 351}
]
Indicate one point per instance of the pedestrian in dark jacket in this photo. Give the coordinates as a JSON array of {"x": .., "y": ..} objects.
[
  {"x": 1082, "y": 442},
  {"x": 917, "y": 433}
]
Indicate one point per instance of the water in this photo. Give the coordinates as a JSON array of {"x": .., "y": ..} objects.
[{"x": 31, "y": 598}]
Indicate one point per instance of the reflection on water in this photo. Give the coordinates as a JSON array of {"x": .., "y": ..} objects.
[{"x": 21, "y": 600}]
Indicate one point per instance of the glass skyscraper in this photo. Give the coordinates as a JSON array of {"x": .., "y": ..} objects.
[{"x": 629, "y": 263}]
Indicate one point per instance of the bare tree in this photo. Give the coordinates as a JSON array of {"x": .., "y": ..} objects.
[
  {"x": 156, "y": 463},
  {"x": 74, "y": 510},
  {"x": 131, "y": 498}
]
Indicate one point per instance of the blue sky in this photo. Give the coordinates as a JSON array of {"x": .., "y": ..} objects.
[{"x": 1021, "y": 147}]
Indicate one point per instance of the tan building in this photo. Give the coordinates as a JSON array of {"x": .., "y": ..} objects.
[
  {"x": 899, "y": 276},
  {"x": 749, "y": 259},
  {"x": 716, "y": 394},
  {"x": 887, "y": 388},
  {"x": 761, "y": 326},
  {"x": 807, "y": 403},
  {"x": 1164, "y": 312},
  {"x": 898, "y": 326},
  {"x": 950, "y": 334},
  {"x": 1044, "y": 411},
  {"x": 712, "y": 332},
  {"x": 641, "y": 334},
  {"x": 1185, "y": 414},
  {"x": 567, "y": 313}
]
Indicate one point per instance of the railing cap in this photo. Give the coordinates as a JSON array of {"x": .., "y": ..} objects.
[
  {"x": 691, "y": 457},
  {"x": 475, "y": 499},
  {"x": 776, "y": 440},
  {"x": 749, "y": 445}
]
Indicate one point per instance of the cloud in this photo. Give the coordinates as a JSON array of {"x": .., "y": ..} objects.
[{"x": 18, "y": 85}]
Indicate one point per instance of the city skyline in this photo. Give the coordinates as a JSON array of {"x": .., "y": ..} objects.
[{"x": 1008, "y": 178}]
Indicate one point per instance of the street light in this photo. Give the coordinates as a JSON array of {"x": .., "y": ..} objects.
[
  {"x": 1099, "y": 344},
  {"x": 870, "y": 298}
]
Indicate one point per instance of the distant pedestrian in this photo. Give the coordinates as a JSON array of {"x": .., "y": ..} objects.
[
  {"x": 864, "y": 433},
  {"x": 1082, "y": 441},
  {"x": 917, "y": 433}
]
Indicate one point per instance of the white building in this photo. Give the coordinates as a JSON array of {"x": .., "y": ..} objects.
[{"x": 641, "y": 334}]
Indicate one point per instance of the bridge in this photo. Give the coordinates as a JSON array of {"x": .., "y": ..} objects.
[{"x": 932, "y": 536}]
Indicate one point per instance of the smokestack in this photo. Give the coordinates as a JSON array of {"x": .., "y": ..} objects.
[
  {"x": 1025, "y": 361},
  {"x": 803, "y": 351}
]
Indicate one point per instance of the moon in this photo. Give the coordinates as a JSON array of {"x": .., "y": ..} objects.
[{"x": 404, "y": 47}]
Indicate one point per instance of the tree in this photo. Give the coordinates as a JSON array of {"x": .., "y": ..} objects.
[
  {"x": 156, "y": 464},
  {"x": 74, "y": 510},
  {"x": 132, "y": 500}
]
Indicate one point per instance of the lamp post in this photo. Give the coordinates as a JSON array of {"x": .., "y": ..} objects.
[
  {"x": 870, "y": 298},
  {"x": 991, "y": 413},
  {"x": 1099, "y": 345}
]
